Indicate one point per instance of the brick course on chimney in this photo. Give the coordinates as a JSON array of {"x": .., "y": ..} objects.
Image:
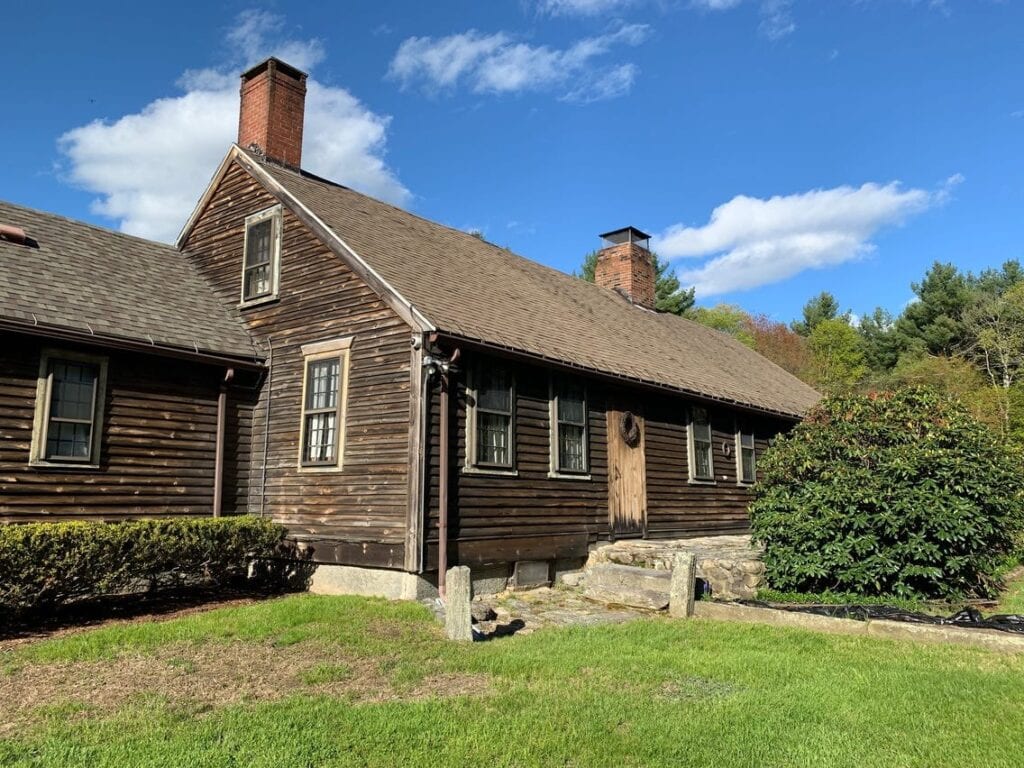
[
  {"x": 273, "y": 104},
  {"x": 629, "y": 268}
]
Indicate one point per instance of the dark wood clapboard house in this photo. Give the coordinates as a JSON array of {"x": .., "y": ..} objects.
[{"x": 400, "y": 394}]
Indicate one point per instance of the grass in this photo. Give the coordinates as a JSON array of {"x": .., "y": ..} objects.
[
  {"x": 1012, "y": 599},
  {"x": 842, "y": 598},
  {"x": 358, "y": 682}
]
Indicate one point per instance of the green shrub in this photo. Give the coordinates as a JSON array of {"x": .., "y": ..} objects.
[
  {"x": 900, "y": 494},
  {"x": 45, "y": 564}
]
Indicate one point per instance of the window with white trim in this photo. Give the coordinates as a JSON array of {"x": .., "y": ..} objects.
[
  {"x": 746, "y": 458},
  {"x": 69, "y": 408},
  {"x": 261, "y": 261},
  {"x": 324, "y": 394},
  {"x": 492, "y": 412},
  {"x": 702, "y": 462},
  {"x": 569, "y": 448}
]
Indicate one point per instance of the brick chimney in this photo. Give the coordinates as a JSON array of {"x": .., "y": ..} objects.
[
  {"x": 625, "y": 263},
  {"x": 272, "y": 110}
]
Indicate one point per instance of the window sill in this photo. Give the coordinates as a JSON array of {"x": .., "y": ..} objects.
[
  {"x": 568, "y": 476},
  {"x": 489, "y": 471},
  {"x": 315, "y": 470},
  {"x": 259, "y": 302},
  {"x": 746, "y": 483},
  {"x": 693, "y": 481},
  {"x": 68, "y": 466}
]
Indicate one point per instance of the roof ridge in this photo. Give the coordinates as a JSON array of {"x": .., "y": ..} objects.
[{"x": 90, "y": 225}]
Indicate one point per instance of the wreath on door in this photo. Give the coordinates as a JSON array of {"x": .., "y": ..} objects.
[{"x": 629, "y": 428}]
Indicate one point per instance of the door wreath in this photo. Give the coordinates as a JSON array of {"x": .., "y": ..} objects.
[{"x": 629, "y": 427}]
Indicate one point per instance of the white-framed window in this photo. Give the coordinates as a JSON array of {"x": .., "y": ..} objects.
[
  {"x": 491, "y": 410},
  {"x": 261, "y": 259},
  {"x": 746, "y": 457},
  {"x": 324, "y": 404},
  {"x": 570, "y": 454},
  {"x": 701, "y": 453},
  {"x": 70, "y": 394}
]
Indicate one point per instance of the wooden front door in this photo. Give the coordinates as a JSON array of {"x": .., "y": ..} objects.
[{"x": 627, "y": 475}]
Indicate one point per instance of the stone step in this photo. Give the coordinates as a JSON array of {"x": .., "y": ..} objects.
[{"x": 628, "y": 585}]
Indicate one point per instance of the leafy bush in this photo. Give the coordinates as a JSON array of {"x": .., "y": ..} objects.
[
  {"x": 44, "y": 564},
  {"x": 900, "y": 494}
]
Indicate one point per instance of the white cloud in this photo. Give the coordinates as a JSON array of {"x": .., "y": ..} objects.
[
  {"x": 776, "y": 19},
  {"x": 150, "y": 167},
  {"x": 753, "y": 242},
  {"x": 715, "y": 5},
  {"x": 497, "y": 64},
  {"x": 583, "y": 7}
]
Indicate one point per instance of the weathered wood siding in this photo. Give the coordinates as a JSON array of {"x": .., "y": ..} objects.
[
  {"x": 495, "y": 518},
  {"x": 156, "y": 450},
  {"x": 675, "y": 508},
  {"x": 357, "y": 515}
]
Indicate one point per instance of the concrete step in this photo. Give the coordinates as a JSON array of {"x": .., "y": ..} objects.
[{"x": 628, "y": 585}]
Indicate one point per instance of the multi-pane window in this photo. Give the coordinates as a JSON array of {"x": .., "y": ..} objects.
[
  {"x": 324, "y": 394},
  {"x": 701, "y": 455},
  {"x": 69, "y": 408},
  {"x": 72, "y": 406},
  {"x": 493, "y": 413},
  {"x": 262, "y": 253},
  {"x": 746, "y": 457},
  {"x": 570, "y": 434},
  {"x": 320, "y": 414}
]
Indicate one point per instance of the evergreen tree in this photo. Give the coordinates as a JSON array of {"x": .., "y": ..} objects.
[
  {"x": 934, "y": 322},
  {"x": 822, "y": 307}
]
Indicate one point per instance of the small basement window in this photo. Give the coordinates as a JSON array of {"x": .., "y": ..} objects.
[
  {"x": 324, "y": 395},
  {"x": 569, "y": 454},
  {"x": 492, "y": 419},
  {"x": 746, "y": 460},
  {"x": 261, "y": 261},
  {"x": 702, "y": 464},
  {"x": 69, "y": 409}
]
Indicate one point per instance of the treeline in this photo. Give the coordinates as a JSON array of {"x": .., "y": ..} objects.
[{"x": 963, "y": 334}]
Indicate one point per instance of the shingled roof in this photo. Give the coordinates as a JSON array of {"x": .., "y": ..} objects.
[
  {"x": 75, "y": 277},
  {"x": 470, "y": 288}
]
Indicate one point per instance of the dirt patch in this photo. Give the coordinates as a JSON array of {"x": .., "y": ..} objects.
[{"x": 210, "y": 676}]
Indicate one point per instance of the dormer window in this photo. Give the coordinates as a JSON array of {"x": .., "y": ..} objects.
[{"x": 261, "y": 262}]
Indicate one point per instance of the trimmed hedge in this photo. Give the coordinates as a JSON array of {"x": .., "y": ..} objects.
[
  {"x": 901, "y": 494},
  {"x": 46, "y": 564}
]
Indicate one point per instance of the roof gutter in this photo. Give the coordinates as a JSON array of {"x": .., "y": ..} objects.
[
  {"x": 113, "y": 341},
  {"x": 535, "y": 357}
]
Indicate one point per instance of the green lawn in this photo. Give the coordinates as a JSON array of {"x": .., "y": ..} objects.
[
  {"x": 1012, "y": 599},
  {"x": 317, "y": 681}
]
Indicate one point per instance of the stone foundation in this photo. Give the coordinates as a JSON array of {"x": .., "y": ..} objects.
[
  {"x": 370, "y": 582},
  {"x": 730, "y": 565}
]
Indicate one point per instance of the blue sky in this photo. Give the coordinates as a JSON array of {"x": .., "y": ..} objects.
[{"x": 775, "y": 148}]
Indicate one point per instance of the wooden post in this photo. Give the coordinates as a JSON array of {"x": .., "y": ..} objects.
[
  {"x": 681, "y": 590},
  {"x": 458, "y": 620}
]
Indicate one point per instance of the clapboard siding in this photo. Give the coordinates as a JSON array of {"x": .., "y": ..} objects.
[
  {"x": 157, "y": 443},
  {"x": 675, "y": 508},
  {"x": 320, "y": 299},
  {"x": 495, "y": 518}
]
